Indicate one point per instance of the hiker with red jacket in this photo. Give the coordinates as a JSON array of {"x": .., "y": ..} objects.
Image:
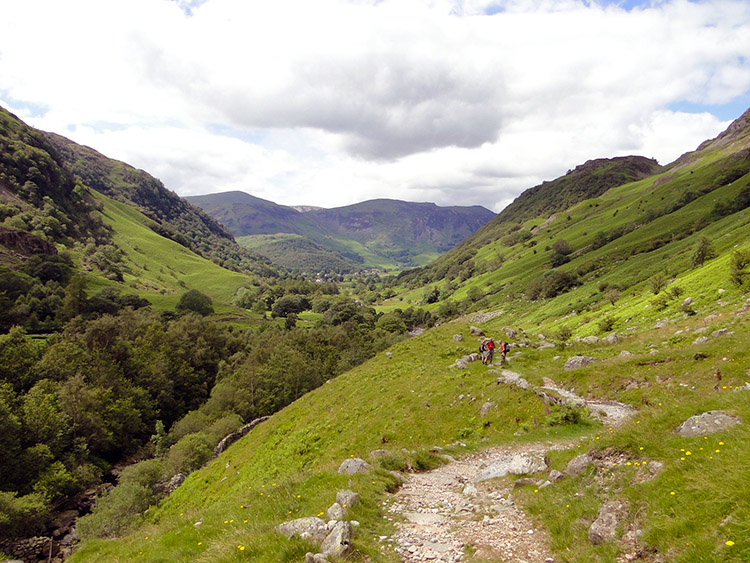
[{"x": 490, "y": 351}]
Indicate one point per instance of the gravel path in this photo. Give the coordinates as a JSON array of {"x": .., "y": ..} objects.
[
  {"x": 448, "y": 514},
  {"x": 451, "y": 514}
]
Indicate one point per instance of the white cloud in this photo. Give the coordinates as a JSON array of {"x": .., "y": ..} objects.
[{"x": 332, "y": 102}]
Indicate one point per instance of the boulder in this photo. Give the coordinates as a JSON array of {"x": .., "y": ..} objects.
[
  {"x": 510, "y": 333},
  {"x": 612, "y": 338},
  {"x": 458, "y": 338},
  {"x": 338, "y": 543},
  {"x": 315, "y": 558},
  {"x": 707, "y": 423},
  {"x": 354, "y": 465},
  {"x": 309, "y": 527},
  {"x": 578, "y": 465},
  {"x": 171, "y": 486},
  {"x": 604, "y": 528},
  {"x": 460, "y": 364},
  {"x": 590, "y": 339},
  {"x": 555, "y": 475},
  {"x": 347, "y": 499},
  {"x": 626, "y": 354},
  {"x": 476, "y": 331},
  {"x": 336, "y": 512},
  {"x": 721, "y": 332},
  {"x": 687, "y": 301},
  {"x": 519, "y": 464},
  {"x": 511, "y": 378},
  {"x": 576, "y": 362}
]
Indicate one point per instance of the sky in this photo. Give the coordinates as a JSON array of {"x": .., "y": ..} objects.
[{"x": 332, "y": 102}]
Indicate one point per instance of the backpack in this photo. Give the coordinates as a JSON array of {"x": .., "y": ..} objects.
[{"x": 505, "y": 347}]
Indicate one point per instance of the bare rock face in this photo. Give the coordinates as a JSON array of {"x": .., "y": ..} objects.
[
  {"x": 339, "y": 542},
  {"x": 604, "y": 528},
  {"x": 354, "y": 465},
  {"x": 707, "y": 423},
  {"x": 310, "y": 527},
  {"x": 576, "y": 362}
]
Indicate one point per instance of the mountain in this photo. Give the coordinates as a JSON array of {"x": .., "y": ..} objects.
[
  {"x": 377, "y": 233},
  {"x": 171, "y": 215}
]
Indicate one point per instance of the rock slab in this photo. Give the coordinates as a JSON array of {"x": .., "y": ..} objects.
[
  {"x": 354, "y": 465},
  {"x": 707, "y": 423},
  {"x": 604, "y": 528}
]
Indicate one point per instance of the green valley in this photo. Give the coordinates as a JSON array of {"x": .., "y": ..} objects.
[{"x": 622, "y": 287}]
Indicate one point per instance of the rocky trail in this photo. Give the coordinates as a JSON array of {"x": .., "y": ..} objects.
[{"x": 462, "y": 511}]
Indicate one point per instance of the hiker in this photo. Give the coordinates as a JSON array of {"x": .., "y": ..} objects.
[
  {"x": 490, "y": 351},
  {"x": 504, "y": 349},
  {"x": 484, "y": 351}
]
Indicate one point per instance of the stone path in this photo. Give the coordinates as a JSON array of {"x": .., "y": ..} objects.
[
  {"x": 448, "y": 511},
  {"x": 458, "y": 509}
]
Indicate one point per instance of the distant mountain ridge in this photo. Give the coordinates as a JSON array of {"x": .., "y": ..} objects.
[{"x": 380, "y": 232}]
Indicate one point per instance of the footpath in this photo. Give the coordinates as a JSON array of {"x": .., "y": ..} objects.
[{"x": 462, "y": 509}]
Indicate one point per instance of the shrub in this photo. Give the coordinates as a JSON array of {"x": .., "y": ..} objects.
[
  {"x": 116, "y": 511},
  {"x": 21, "y": 516},
  {"x": 657, "y": 282},
  {"x": 567, "y": 414},
  {"x": 189, "y": 454},
  {"x": 737, "y": 268},
  {"x": 606, "y": 324},
  {"x": 195, "y": 301}
]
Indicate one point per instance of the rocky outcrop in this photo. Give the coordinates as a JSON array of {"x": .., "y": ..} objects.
[
  {"x": 707, "y": 423},
  {"x": 25, "y": 243},
  {"x": 338, "y": 542},
  {"x": 170, "y": 486},
  {"x": 576, "y": 362},
  {"x": 310, "y": 527},
  {"x": 604, "y": 528},
  {"x": 236, "y": 435}
]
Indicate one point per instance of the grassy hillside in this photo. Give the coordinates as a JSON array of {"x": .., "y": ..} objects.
[
  {"x": 287, "y": 467},
  {"x": 160, "y": 269},
  {"x": 172, "y": 216},
  {"x": 630, "y": 265}
]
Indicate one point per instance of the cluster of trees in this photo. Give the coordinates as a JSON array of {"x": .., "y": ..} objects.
[{"x": 120, "y": 381}]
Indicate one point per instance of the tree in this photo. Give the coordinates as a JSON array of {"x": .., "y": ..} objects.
[
  {"x": 562, "y": 246},
  {"x": 703, "y": 251},
  {"x": 613, "y": 295},
  {"x": 738, "y": 267},
  {"x": 195, "y": 301},
  {"x": 657, "y": 282}
]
